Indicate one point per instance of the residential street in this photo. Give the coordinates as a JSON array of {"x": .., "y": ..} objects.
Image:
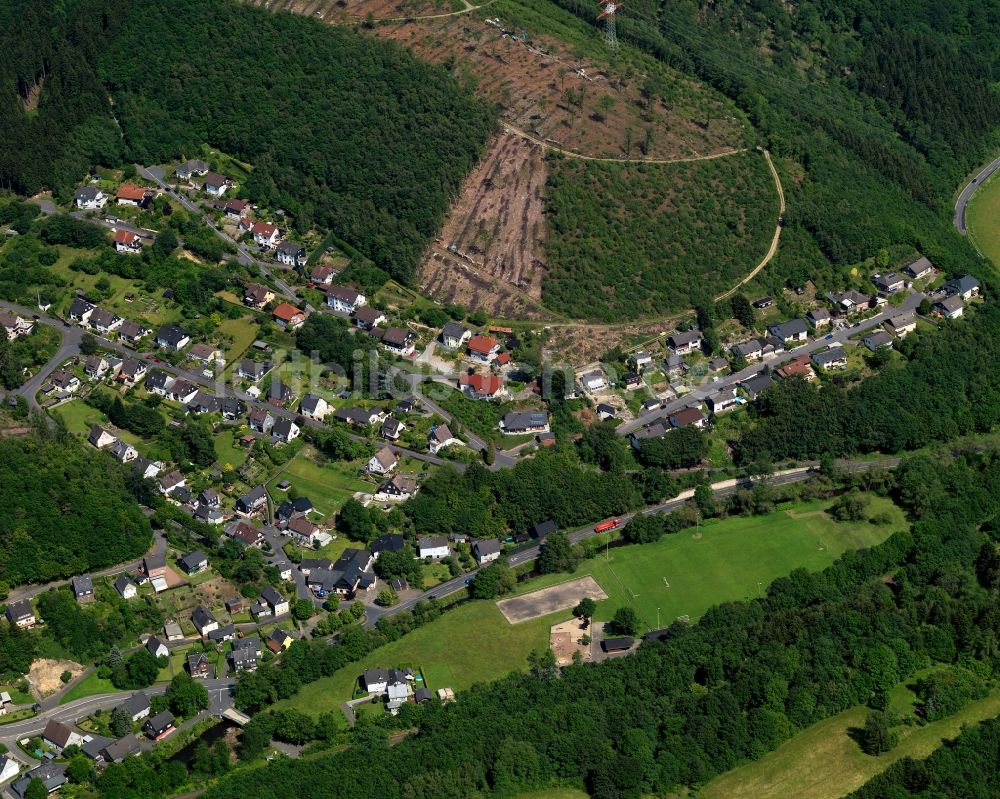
[{"x": 729, "y": 381}]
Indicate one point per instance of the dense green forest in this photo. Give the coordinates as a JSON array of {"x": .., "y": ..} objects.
[
  {"x": 632, "y": 241},
  {"x": 66, "y": 511},
  {"x": 885, "y": 106},
  {"x": 947, "y": 388},
  {"x": 733, "y": 686},
  {"x": 965, "y": 766},
  {"x": 343, "y": 130}
]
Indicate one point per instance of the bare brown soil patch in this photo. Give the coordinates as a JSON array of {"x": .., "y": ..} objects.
[
  {"x": 491, "y": 251},
  {"x": 565, "y": 641},
  {"x": 549, "y": 600},
  {"x": 44, "y": 675}
]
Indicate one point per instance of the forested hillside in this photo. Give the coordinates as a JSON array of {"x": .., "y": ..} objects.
[
  {"x": 885, "y": 105},
  {"x": 343, "y": 130},
  {"x": 65, "y": 511}
]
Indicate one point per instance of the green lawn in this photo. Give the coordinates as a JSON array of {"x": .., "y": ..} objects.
[
  {"x": 227, "y": 450},
  {"x": 17, "y": 696},
  {"x": 733, "y": 559},
  {"x": 90, "y": 685},
  {"x": 470, "y": 644},
  {"x": 79, "y": 416},
  {"x": 243, "y": 332},
  {"x": 982, "y": 218},
  {"x": 328, "y": 486},
  {"x": 823, "y": 762}
]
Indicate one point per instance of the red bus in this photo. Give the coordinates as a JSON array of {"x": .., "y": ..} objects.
[{"x": 604, "y": 526}]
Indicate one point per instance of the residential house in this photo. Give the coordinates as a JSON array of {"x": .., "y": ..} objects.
[
  {"x": 232, "y": 409},
  {"x": 285, "y": 431},
  {"x": 687, "y": 417},
  {"x": 279, "y": 640},
  {"x": 80, "y": 310},
  {"x": 434, "y": 547},
  {"x": 849, "y": 301},
  {"x": 685, "y": 343},
  {"x": 204, "y": 621},
  {"x": 189, "y": 168},
  {"x": 399, "y": 690},
  {"x": 454, "y": 335},
  {"x": 265, "y": 234},
  {"x": 303, "y": 531},
  {"x": 762, "y": 303},
  {"x": 641, "y": 361},
  {"x": 59, "y": 735},
  {"x": 376, "y": 681},
  {"x": 199, "y": 665},
  {"x": 440, "y": 437},
  {"x": 965, "y": 287},
  {"x": 252, "y": 370},
  {"x": 631, "y": 381},
  {"x": 155, "y": 568},
  {"x": 403, "y": 407},
  {"x": 245, "y": 653},
  {"x": 479, "y": 386},
  {"x": 278, "y": 392},
  {"x": 890, "y": 282},
  {"x": 675, "y": 365},
  {"x": 216, "y": 184},
  {"x": 256, "y": 295},
  {"x": 172, "y": 631},
  {"x": 171, "y": 337},
  {"x": 159, "y": 726},
  {"x": 158, "y": 381},
  {"x": 902, "y": 324},
  {"x": 203, "y": 402},
  {"x": 20, "y": 614},
  {"x": 51, "y": 775},
  {"x": 127, "y": 242},
  {"x": 252, "y": 502},
  {"x": 157, "y": 648},
  {"x": 486, "y": 550},
  {"x": 123, "y": 451},
  {"x": 382, "y": 462},
  {"x": 130, "y": 194},
  {"x": 919, "y": 269},
  {"x": 182, "y": 391},
  {"x": 655, "y": 430},
  {"x": 754, "y": 386},
  {"x": 879, "y": 338},
  {"x": 193, "y": 562},
  {"x": 246, "y": 534},
  {"x": 519, "y": 423},
  {"x": 117, "y": 751},
  {"x": 260, "y": 421},
  {"x": 83, "y": 588},
  {"x": 749, "y": 351},
  {"x": 797, "y": 367},
  {"x": 367, "y": 318},
  {"x": 344, "y": 299},
  {"x": 314, "y": 406},
  {"x": 131, "y": 372},
  {"x": 483, "y": 348},
  {"x": 14, "y": 326},
  {"x": 391, "y": 429},
  {"x": 396, "y": 489},
  {"x": 125, "y": 587},
  {"x": 322, "y": 275},
  {"x": 64, "y": 381},
  {"x": 95, "y": 366},
  {"x": 605, "y": 411},
  {"x": 593, "y": 381},
  {"x": 205, "y": 352},
  {"x": 236, "y": 209},
  {"x": 721, "y": 401},
  {"x": 833, "y": 358},
  {"x": 794, "y": 330},
  {"x": 132, "y": 332},
  {"x": 399, "y": 342},
  {"x": 100, "y": 438},
  {"x": 105, "y": 322},
  {"x": 279, "y": 604},
  {"x": 288, "y": 316},
  {"x": 390, "y": 542},
  {"x": 90, "y": 198},
  {"x": 291, "y": 254},
  {"x": 950, "y": 307},
  {"x": 289, "y": 509},
  {"x": 360, "y": 417},
  {"x": 9, "y": 768},
  {"x": 818, "y": 318}
]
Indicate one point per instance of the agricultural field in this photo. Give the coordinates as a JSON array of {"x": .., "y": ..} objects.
[
  {"x": 981, "y": 218},
  {"x": 328, "y": 485},
  {"x": 825, "y": 762},
  {"x": 636, "y": 241}
]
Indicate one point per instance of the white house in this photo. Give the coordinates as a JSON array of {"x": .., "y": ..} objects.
[
  {"x": 439, "y": 438},
  {"x": 125, "y": 587},
  {"x": 486, "y": 551},
  {"x": 127, "y": 242},
  {"x": 345, "y": 300},
  {"x": 454, "y": 335},
  {"x": 285, "y": 430},
  {"x": 216, "y": 184},
  {"x": 434, "y": 547},
  {"x": 265, "y": 234},
  {"x": 314, "y": 407},
  {"x": 382, "y": 462},
  {"x": 684, "y": 343},
  {"x": 90, "y": 199},
  {"x": 593, "y": 381},
  {"x": 291, "y": 254},
  {"x": 9, "y": 768}
]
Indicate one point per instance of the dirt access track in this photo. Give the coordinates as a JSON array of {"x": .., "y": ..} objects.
[{"x": 549, "y": 600}]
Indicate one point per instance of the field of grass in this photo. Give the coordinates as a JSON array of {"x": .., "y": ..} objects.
[
  {"x": 733, "y": 559},
  {"x": 982, "y": 218},
  {"x": 328, "y": 486},
  {"x": 470, "y": 644},
  {"x": 824, "y": 762},
  {"x": 227, "y": 449},
  {"x": 90, "y": 685},
  {"x": 243, "y": 332},
  {"x": 554, "y": 793},
  {"x": 79, "y": 417}
]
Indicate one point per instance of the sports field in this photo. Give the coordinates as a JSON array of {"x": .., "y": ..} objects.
[
  {"x": 982, "y": 218},
  {"x": 824, "y": 762},
  {"x": 722, "y": 561}
]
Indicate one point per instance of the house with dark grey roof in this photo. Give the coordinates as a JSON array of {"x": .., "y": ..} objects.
[
  {"x": 291, "y": 254},
  {"x": 252, "y": 501},
  {"x": 285, "y": 431},
  {"x": 156, "y": 647},
  {"x": 204, "y": 621},
  {"x": 125, "y": 587},
  {"x": 686, "y": 342},
  {"x": 454, "y": 335},
  {"x": 344, "y": 299},
  {"x": 159, "y": 726},
  {"x": 193, "y": 562},
  {"x": 486, "y": 550},
  {"x": 518, "y": 423},
  {"x": 83, "y": 588},
  {"x": 918, "y": 269},
  {"x": 754, "y": 386},
  {"x": 20, "y": 614},
  {"x": 833, "y": 358},
  {"x": 435, "y": 547},
  {"x": 791, "y": 331},
  {"x": 278, "y": 603},
  {"x": 137, "y": 706},
  {"x": 965, "y": 287},
  {"x": 117, "y": 751},
  {"x": 172, "y": 337},
  {"x": 52, "y": 775}
]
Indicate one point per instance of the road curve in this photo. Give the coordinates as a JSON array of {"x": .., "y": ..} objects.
[{"x": 963, "y": 199}]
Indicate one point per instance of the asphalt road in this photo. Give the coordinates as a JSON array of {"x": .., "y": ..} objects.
[
  {"x": 962, "y": 203},
  {"x": 700, "y": 393}
]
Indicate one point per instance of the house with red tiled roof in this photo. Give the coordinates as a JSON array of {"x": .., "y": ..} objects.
[
  {"x": 288, "y": 316},
  {"x": 483, "y": 348},
  {"x": 128, "y": 242},
  {"x": 479, "y": 386},
  {"x": 130, "y": 194},
  {"x": 265, "y": 234}
]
